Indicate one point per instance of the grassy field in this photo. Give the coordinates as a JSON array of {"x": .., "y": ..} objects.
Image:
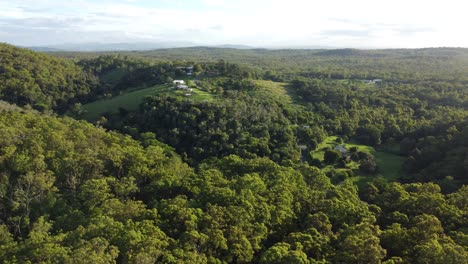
[
  {"x": 275, "y": 90},
  {"x": 388, "y": 164},
  {"x": 132, "y": 99}
]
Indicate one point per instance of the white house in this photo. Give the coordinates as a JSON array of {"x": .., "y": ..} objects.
[
  {"x": 373, "y": 81},
  {"x": 183, "y": 87},
  {"x": 178, "y": 82}
]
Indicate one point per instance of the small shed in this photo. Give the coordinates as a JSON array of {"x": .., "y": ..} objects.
[
  {"x": 182, "y": 87},
  {"x": 341, "y": 149}
]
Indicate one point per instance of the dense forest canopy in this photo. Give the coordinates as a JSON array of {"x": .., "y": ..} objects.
[
  {"x": 41, "y": 81},
  {"x": 448, "y": 64},
  {"x": 254, "y": 156},
  {"x": 75, "y": 193}
]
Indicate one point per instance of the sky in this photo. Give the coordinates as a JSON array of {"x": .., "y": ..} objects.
[{"x": 259, "y": 23}]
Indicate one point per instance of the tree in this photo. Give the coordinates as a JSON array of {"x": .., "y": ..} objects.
[
  {"x": 368, "y": 166},
  {"x": 359, "y": 244},
  {"x": 32, "y": 188},
  {"x": 281, "y": 254},
  {"x": 370, "y": 135},
  {"x": 197, "y": 68},
  {"x": 8, "y": 246},
  {"x": 96, "y": 250},
  {"x": 331, "y": 156},
  {"x": 43, "y": 247}
]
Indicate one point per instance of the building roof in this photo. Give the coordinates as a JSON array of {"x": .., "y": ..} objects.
[
  {"x": 178, "y": 81},
  {"x": 341, "y": 149}
]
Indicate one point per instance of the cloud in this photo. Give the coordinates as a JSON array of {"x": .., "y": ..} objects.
[
  {"x": 346, "y": 33},
  {"x": 411, "y": 31},
  {"x": 399, "y": 23},
  {"x": 217, "y": 27},
  {"x": 41, "y": 23},
  {"x": 215, "y": 3}
]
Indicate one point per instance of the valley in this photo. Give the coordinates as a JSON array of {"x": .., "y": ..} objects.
[{"x": 223, "y": 155}]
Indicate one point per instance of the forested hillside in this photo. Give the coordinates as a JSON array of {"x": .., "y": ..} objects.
[
  {"x": 397, "y": 64},
  {"x": 73, "y": 193},
  {"x": 41, "y": 81},
  {"x": 286, "y": 156}
]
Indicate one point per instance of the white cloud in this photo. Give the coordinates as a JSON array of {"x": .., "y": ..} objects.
[{"x": 359, "y": 23}]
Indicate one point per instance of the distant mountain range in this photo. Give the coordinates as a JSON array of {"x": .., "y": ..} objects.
[
  {"x": 142, "y": 46},
  {"x": 113, "y": 46},
  {"x": 127, "y": 46}
]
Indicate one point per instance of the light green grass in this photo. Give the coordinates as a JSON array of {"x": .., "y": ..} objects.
[
  {"x": 329, "y": 142},
  {"x": 275, "y": 90},
  {"x": 131, "y": 100},
  {"x": 388, "y": 164}
]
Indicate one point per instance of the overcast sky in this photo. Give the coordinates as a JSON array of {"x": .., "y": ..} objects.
[{"x": 265, "y": 23}]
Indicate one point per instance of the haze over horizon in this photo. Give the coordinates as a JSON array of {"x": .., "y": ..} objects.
[{"x": 261, "y": 23}]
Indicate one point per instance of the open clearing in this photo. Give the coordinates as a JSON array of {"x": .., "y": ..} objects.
[
  {"x": 275, "y": 90},
  {"x": 132, "y": 99},
  {"x": 388, "y": 164}
]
